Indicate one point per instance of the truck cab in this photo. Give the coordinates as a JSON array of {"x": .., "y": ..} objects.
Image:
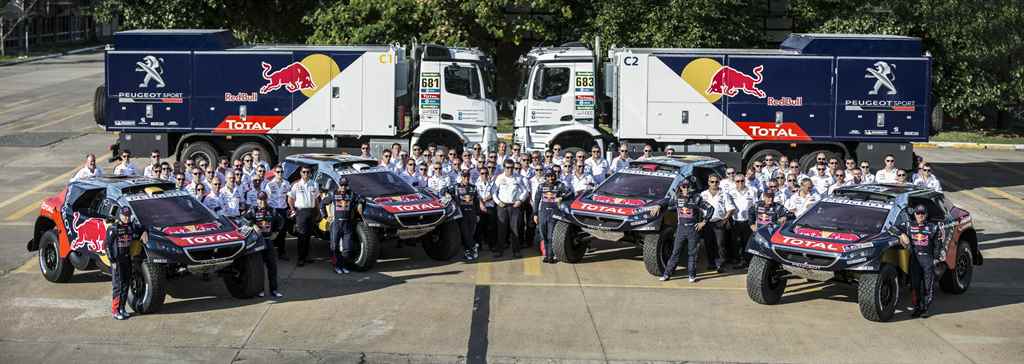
[
  {"x": 456, "y": 101},
  {"x": 556, "y": 101}
]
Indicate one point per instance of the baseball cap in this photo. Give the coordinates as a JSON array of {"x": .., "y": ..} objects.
[
  {"x": 550, "y": 173},
  {"x": 465, "y": 173},
  {"x": 343, "y": 182},
  {"x": 684, "y": 183},
  {"x": 261, "y": 196},
  {"x": 126, "y": 211},
  {"x": 769, "y": 193},
  {"x": 921, "y": 209}
]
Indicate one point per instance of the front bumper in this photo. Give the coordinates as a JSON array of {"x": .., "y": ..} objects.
[
  {"x": 202, "y": 257},
  {"x": 420, "y": 222},
  {"x": 864, "y": 260},
  {"x": 607, "y": 226}
]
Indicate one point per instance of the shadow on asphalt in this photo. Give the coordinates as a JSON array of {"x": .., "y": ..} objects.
[
  {"x": 1012, "y": 238},
  {"x": 982, "y": 174}
]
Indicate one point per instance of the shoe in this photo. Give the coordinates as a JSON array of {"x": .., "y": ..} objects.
[
  {"x": 125, "y": 313},
  {"x": 283, "y": 257},
  {"x": 300, "y": 263},
  {"x": 924, "y": 312},
  {"x": 546, "y": 260},
  {"x": 119, "y": 316},
  {"x": 693, "y": 279},
  {"x": 516, "y": 254},
  {"x": 339, "y": 270},
  {"x": 721, "y": 269},
  {"x": 916, "y": 312},
  {"x": 261, "y": 294},
  {"x": 663, "y": 278},
  {"x": 276, "y": 294},
  {"x": 476, "y": 253}
]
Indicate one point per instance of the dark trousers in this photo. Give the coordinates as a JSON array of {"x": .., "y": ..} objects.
[
  {"x": 341, "y": 242},
  {"x": 740, "y": 234},
  {"x": 282, "y": 224},
  {"x": 508, "y": 224},
  {"x": 270, "y": 262},
  {"x": 715, "y": 246},
  {"x": 685, "y": 234},
  {"x": 487, "y": 228},
  {"x": 529, "y": 229},
  {"x": 304, "y": 228},
  {"x": 922, "y": 279},
  {"x": 121, "y": 272},
  {"x": 467, "y": 228},
  {"x": 545, "y": 227}
]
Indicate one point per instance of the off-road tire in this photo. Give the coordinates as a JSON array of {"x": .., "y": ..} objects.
[
  {"x": 54, "y": 268},
  {"x": 149, "y": 279},
  {"x": 764, "y": 286},
  {"x": 564, "y": 244},
  {"x": 249, "y": 280},
  {"x": 369, "y": 243},
  {"x": 879, "y": 293},
  {"x": 657, "y": 250},
  {"x": 957, "y": 280},
  {"x": 199, "y": 149},
  {"x": 445, "y": 244}
]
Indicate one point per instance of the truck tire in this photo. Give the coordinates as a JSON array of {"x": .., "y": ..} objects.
[
  {"x": 764, "y": 286},
  {"x": 197, "y": 151},
  {"x": 247, "y": 148},
  {"x": 808, "y": 160},
  {"x": 879, "y": 293},
  {"x": 251, "y": 275},
  {"x": 99, "y": 105},
  {"x": 54, "y": 268},
  {"x": 369, "y": 244},
  {"x": 565, "y": 245},
  {"x": 657, "y": 250},
  {"x": 445, "y": 244},
  {"x": 958, "y": 279},
  {"x": 759, "y": 156},
  {"x": 148, "y": 289}
]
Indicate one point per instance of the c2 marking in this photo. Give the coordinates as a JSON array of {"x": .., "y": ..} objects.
[{"x": 631, "y": 60}]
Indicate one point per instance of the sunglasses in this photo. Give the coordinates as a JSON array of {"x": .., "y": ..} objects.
[
  {"x": 889, "y": 161},
  {"x": 476, "y": 148},
  {"x": 305, "y": 172},
  {"x": 155, "y": 156},
  {"x": 730, "y": 173},
  {"x": 278, "y": 171},
  {"x": 926, "y": 169},
  {"x": 623, "y": 151},
  {"x": 364, "y": 148},
  {"x": 901, "y": 175},
  {"x": 647, "y": 150},
  {"x": 920, "y": 213},
  {"x": 713, "y": 182}
]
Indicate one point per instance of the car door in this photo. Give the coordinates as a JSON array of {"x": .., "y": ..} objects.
[{"x": 86, "y": 228}]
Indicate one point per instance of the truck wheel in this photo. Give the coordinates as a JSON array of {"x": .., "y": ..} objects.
[
  {"x": 54, "y": 268},
  {"x": 808, "y": 160},
  {"x": 198, "y": 151},
  {"x": 148, "y": 289},
  {"x": 444, "y": 245},
  {"x": 759, "y": 156},
  {"x": 958, "y": 279},
  {"x": 879, "y": 293},
  {"x": 249, "y": 281},
  {"x": 657, "y": 250},
  {"x": 764, "y": 285},
  {"x": 369, "y": 244},
  {"x": 247, "y": 148},
  {"x": 565, "y": 245},
  {"x": 99, "y": 105}
]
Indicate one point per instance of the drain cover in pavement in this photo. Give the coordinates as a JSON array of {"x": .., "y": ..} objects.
[{"x": 34, "y": 139}]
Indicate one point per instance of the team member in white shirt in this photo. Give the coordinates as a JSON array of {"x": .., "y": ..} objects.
[
  {"x": 556, "y": 154},
  {"x": 303, "y": 200},
  {"x": 821, "y": 179},
  {"x": 924, "y": 177},
  {"x": 727, "y": 183},
  {"x": 621, "y": 161},
  {"x": 821, "y": 158},
  {"x": 598, "y": 166},
  {"x": 840, "y": 181},
  {"x": 486, "y": 231},
  {"x": 153, "y": 169},
  {"x": 888, "y": 173},
  {"x": 743, "y": 199},
  {"x": 865, "y": 169},
  {"x": 408, "y": 174},
  {"x": 209, "y": 199},
  {"x": 509, "y": 194},
  {"x": 901, "y": 177},
  {"x": 648, "y": 152},
  {"x": 581, "y": 181},
  {"x": 277, "y": 198},
  {"x": 438, "y": 180},
  {"x": 715, "y": 237},
  {"x": 90, "y": 169},
  {"x": 802, "y": 200},
  {"x": 126, "y": 167},
  {"x": 232, "y": 198}
]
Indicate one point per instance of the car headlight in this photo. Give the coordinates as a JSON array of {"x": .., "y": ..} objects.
[
  {"x": 446, "y": 199},
  {"x": 245, "y": 229},
  {"x": 649, "y": 211},
  {"x": 760, "y": 240}
]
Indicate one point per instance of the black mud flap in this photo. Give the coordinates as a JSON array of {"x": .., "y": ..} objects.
[{"x": 32, "y": 245}]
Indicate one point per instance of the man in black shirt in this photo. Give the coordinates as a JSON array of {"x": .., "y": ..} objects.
[
  {"x": 692, "y": 212},
  {"x": 924, "y": 241},
  {"x": 341, "y": 213},
  {"x": 549, "y": 194},
  {"x": 120, "y": 234},
  {"x": 465, "y": 195},
  {"x": 262, "y": 216}
]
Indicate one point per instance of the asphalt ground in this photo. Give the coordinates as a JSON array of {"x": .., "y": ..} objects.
[{"x": 413, "y": 309}]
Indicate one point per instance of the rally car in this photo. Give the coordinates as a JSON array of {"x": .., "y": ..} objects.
[
  {"x": 849, "y": 237},
  {"x": 180, "y": 236},
  {"x": 390, "y": 208},
  {"x": 635, "y": 205}
]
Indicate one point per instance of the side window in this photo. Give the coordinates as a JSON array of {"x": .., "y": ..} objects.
[
  {"x": 325, "y": 181},
  {"x": 88, "y": 203},
  {"x": 461, "y": 80},
  {"x": 551, "y": 81},
  {"x": 947, "y": 206}
]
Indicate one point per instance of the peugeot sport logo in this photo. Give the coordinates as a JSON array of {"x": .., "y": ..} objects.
[
  {"x": 151, "y": 66},
  {"x": 883, "y": 75}
]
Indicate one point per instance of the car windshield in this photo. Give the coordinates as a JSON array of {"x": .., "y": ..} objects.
[
  {"x": 376, "y": 184},
  {"x": 844, "y": 218},
  {"x": 171, "y": 211},
  {"x": 636, "y": 185}
]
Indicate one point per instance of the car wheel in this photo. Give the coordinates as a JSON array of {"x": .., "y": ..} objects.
[
  {"x": 444, "y": 244},
  {"x": 249, "y": 279},
  {"x": 147, "y": 289},
  {"x": 53, "y": 267},
  {"x": 764, "y": 284},
  {"x": 657, "y": 250},
  {"x": 566, "y": 246},
  {"x": 879, "y": 293},
  {"x": 368, "y": 245},
  {"x": 958, "y": 279}
]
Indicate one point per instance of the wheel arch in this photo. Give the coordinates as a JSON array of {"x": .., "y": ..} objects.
[
  {"x": 440, "y": 132},
  {"x": 971, "y": 237},
  {"x": 225, "y": 143},
  {"x": 788, "y": 149},
  {"x": 574, "y": 134},
  {"x": 41, "y": 226}
]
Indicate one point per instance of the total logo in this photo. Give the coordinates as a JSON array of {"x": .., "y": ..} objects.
[
  {"x": 809, "y": 244},
  {"x": 432, "y": 205},
  {"x": 253, "y": 124},
  {"x": 773, "y": 131},
  {"x": 589, "y": 207},
  {"x": 207, "y": 239}
]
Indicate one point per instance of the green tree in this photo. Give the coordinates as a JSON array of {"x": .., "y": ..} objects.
[
  {"x": 251, "y": 21},
  {"x": 679, "y": 23}
]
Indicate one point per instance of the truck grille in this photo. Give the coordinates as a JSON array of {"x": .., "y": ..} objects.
[
  {"x": 214, "y": 253},
  {"x": 804, "y": 258},
  {"x": 420, "y": 219},
  {"x": 599, "y": 221}
]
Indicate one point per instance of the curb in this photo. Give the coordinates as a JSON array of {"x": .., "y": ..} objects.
[
  {"x": 52, "y": 55},
  {"x": 973, "y": 146}
]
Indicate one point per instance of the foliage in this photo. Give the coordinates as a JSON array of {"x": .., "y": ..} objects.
[{"x": 251, "y": 21}]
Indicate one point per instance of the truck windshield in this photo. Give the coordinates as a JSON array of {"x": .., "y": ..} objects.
[
  {"x": 634, "y": 185},
  {"x": 844, "y": 218},
  {"x": 376, "y": 184},
  {"x": 462, "y": 80},
  {"x": 170, "y": 211}
]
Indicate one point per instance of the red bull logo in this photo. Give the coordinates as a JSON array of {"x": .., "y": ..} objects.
[
  {"x": 728, "y": 81},
  {"x": 91, "y": 233},
  {"x": 293, "y": 77}
]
